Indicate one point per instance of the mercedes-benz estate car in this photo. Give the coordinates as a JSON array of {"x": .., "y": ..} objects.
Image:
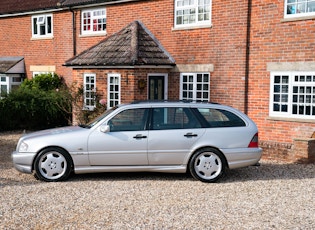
[{"x": 204, "y": 139}]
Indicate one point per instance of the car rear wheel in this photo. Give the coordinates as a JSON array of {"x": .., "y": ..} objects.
[
  {"x": 52, "y": 164},
  {"x": 207, "y": 165}
]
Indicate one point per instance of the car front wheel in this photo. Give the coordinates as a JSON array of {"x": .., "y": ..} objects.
[
  {"x": 207, "y": 165},
  {"x": 52, "y": 164}
]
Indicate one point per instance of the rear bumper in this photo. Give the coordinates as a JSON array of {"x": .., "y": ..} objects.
[
  {"x": 23, "y": 161},
  {"x": 238, "y": 158}
]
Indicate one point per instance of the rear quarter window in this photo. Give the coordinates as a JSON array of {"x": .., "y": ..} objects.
[{"x": 221, "y": 118}]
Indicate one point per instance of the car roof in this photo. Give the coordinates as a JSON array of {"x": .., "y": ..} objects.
[
  {"x": 172, "y": 102},
  {"x": 180, "y": 103},
  {"x": 163, "y": 103}
]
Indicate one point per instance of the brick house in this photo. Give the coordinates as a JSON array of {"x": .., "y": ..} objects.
[
  {"x": 232, "y": 53},
  {"x": 281, "y": 92}
]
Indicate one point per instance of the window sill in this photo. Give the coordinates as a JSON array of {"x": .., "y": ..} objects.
[
  {"x": 299, "y": 120},
  {"x": 298, "y": 18},
  {"x": 93, "y": 35},
  {"x": 42, "y": 38},
  {"x": 193, "y": 27}
]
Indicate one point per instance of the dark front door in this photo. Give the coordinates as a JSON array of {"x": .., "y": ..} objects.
[{"x": 156, "y": 88}]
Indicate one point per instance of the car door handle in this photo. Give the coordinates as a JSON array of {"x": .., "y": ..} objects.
[
  {"x": 139, "y": 136},
  {"x": 190, "y": 135}
]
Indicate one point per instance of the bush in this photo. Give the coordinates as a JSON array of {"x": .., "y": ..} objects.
[
  {"x": 84, "y": 115},
  {"x": 39, "y": 103}
]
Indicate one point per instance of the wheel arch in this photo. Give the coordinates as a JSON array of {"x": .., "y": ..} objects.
[{"x": 53, "y": 147}]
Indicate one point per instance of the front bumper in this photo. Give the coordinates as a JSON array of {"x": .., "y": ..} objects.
[{"x": 23, "y": 161}]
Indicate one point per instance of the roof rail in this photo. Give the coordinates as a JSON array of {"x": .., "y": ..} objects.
[{"x": 164, "y": 101}]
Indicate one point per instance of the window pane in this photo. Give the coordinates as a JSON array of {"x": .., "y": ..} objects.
[
  {"x": 113, "y": 90},
  {"x": 89, "y": 91},
  {"x": 285, "y": 89},
  {"x": 173, "y": 118},
  {"x": 198, "y": 87},
  {"x": 49, "y": 25},
  {"x": 276, "y": 89},
  {"x": 94, "y": 21},
  {"x": 276, "y": 107},
  {"x": 221, "y": 118},
  {"x": 192, "y": 12},
  {"x": 129, "y": 120},
  {"x": 297, "y": 94},
  {"x": 276, "y": 98},
  {"x": 35, "y": 25}
]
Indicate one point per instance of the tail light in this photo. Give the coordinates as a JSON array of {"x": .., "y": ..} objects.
[{"x": 254, "y": 142}]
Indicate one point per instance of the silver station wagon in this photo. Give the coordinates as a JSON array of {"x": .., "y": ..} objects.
[{"x": 204, "y": 139}]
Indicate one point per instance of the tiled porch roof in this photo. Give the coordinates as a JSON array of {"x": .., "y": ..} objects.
[
  {"x": 132, "y": 46},
  {"x": 10, "y": 65}
]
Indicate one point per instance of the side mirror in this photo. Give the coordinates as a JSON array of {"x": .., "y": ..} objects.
[{"x": 105, "y": 128}]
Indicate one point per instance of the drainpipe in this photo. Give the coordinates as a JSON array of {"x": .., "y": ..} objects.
[
  {"x": 74, "y": 30},
  {"x": 249, "y": 12}
]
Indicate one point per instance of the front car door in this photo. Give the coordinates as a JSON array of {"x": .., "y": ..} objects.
[
  {"x": 172, "y": 135},
  {"x": 125, "y": 143}
]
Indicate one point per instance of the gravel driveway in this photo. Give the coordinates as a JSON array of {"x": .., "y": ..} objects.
[{"x": 272, "y": 196}]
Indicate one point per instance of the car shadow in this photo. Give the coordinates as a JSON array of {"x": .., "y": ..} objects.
[
  {"x": 266, "y": 171},
  {"x": 271, "y": 171}
]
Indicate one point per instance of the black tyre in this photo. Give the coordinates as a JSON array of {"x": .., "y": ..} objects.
[
  {"x": 207, "y": 165},
  {"x": 53, "y": 164}
]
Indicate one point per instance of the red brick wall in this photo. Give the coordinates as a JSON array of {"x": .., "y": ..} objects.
[
  {"x": 223, "y": 45},
  {"x": 16, "y": 40},
  {"x": 129, "y": 82},
  {"x": 273, "y": 40}
]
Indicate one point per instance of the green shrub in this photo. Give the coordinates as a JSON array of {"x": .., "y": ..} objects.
[
  {"x": 42, "y": 102},
  {"x": 43, "y": 82}
]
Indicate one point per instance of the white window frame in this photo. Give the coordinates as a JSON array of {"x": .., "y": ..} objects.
[
  {"x": 88, "y": 28},
  {"x": 89, "y": 91},
  {"x": 182, "y": 7},
  {"x": 36, "y": 73},
  {"x": 194, "y": 87},
  {"x": 292, "y": 98},
  {"x": 42, "y": 21},
  {"x": 4, "y": 81},
  {"x": 9, "y": 81},
  {"x": 299, "y": 8},
  {"x": 112, "y": 90}
]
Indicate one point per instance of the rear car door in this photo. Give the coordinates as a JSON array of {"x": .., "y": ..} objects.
[{"x": 173, "y": 132}]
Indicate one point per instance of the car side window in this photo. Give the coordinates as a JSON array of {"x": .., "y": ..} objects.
[
  {"x": 221, "y": 118},
  {"x": 173, "y": 118},
  {"x": 129, "y": 120}
]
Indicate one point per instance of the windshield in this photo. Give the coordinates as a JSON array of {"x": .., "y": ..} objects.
[{"x": 98, "y": 119}]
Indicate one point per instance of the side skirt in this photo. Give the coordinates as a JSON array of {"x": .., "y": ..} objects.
[{"x": 159, "y": 168}]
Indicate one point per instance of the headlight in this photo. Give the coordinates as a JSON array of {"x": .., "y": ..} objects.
[{"x": 23, "y": 147}]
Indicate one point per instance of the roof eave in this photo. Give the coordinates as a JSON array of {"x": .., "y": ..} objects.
[
  {"x": 88, "y": 5},
  {"x": 121, "y": 66},
  {"x": 15, "y": 14}
]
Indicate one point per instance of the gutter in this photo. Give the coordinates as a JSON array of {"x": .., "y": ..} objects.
[
  {"x": 32, "y": 12},
  {"x": 101, "y": 4},
  {"x": 61, "y": 8},
  {"x": 74, "y": 32},
  {"x": 120, "y": 67},
  {"x": 246, "y": 86}
]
